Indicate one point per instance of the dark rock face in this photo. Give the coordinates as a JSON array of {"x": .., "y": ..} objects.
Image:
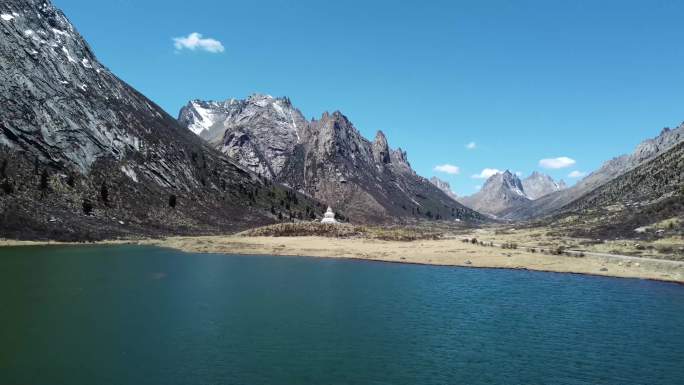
[
  {"x": 501, "y": 192},
  {"x": 644, "y": 152},
  {"x": 326, "y": 158},
  {"x": 71, "y": 132}
]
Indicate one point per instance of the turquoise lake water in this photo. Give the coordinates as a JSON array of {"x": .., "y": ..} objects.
[{"x": 143, "y": 315}]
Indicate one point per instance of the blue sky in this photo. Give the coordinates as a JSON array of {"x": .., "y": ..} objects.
[{"x": 523, "y": 80}]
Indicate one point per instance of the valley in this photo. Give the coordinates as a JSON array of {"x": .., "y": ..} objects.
[{"x": 85, "y": 157}]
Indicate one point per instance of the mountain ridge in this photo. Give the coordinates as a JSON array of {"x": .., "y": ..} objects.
[
  {"x": 500, "y": 192},
  {"x": 643, "y": 152},
  {"x": 86, "y": 156},
  {"x": 327, "y": 158}
]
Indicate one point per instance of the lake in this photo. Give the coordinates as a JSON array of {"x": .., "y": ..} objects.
[{"x": 145, "y": 315}]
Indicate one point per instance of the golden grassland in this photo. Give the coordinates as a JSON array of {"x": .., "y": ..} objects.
[{"x": 490, "y": 247}]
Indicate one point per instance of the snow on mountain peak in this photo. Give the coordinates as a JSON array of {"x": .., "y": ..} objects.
[{"x": 203, "y": 118}]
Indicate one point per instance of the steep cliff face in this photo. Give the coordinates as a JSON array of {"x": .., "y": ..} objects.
[
  {"x": 83, "y": 153},
  {"x": 327, "y": 158},
  {"x": 500, "y": 193},
  {"x": 644, "y": 152}
]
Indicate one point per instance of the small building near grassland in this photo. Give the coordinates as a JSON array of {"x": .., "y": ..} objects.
[{"x": 329, "y": 217}]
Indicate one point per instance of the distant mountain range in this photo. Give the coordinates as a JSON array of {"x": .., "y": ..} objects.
[
  {"x": 644, "y": 152},
  {"x": 500, "y": 192},
  {"x": 505, "y": 191},
  {"x": 325, "y": 158},
  {"x": 504, "y": 196},
  {"x": 647, "y": 194},
  {"x": 538, "y": 185}
]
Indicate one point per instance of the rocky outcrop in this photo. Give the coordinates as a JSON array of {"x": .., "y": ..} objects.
[
  {"x": 444, "y": 186},
  {"x": 538, "y": 185},
  {"x": 500, "y": 193},
  {"x": 381, "y": 150},
  {"x": 260, "y": 131},
  {"x": 326, "y": 158},
  {"x": 84, "y": 155}
]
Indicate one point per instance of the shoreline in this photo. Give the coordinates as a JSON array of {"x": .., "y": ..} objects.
[{"x": 444, "y": 252}]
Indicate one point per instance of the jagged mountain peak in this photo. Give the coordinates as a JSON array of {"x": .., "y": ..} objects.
[
  {"x": 211, "y": 119},
  {"x": 501, "y": 192},
  {"x": 505, "y": 180},
  {"x": 328, "y": 158},
  {"x": 538, "y": 185},
  {"x": 335, "y": 116},
  {"x": 381, "y": 150},
  {"x": 444, "y": 186},
  {"x": 400, "y": 157}
]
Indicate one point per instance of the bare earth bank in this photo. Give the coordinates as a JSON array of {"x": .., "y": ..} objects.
[{"x": 445, "y": 252}]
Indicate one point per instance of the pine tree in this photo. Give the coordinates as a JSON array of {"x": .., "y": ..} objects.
[
  {"x": 87, "y": 207},
  {"x": 71, "y": 180},
  {"x": 44, "y": 180},
  {"x": 104, "y": 193}
]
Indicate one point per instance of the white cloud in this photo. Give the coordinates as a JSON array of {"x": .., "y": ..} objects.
[
  {"x": 448, "y": 168},
  {"x": 471, "y": 146},
  {"x": 486, "y": 173},
  {"x": 195, "y": 41},
  {"x": 577, "y": 174},
  {"x": 555, "y": 163},
  {"x": 518, "y": 173},
  {"x": 478, "y": 187}
]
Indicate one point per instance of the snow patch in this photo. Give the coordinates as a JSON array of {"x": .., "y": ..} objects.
[
  {"x": 279, "y": 109},
  {"x": 518, "y": 191},
  {"x": 262, "y": 100},
  {"x": 130, "y": 173},
  {"x": 205, "y": 119},
  {"x": 294, "y": 124},
  {"x": 60, "y": 32},
  {"x": 86, "y": 63},
  {"x": 7, "y": 16},
  {"x": 66, "y": 52}
]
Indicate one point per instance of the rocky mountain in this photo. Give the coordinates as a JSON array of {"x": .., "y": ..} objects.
[
  {"x": 84, "y": 155},
  {"x": 537, "y": 185},
  {"x": 326, "y": 158},
  {"x": 647, "y": 194},
  {"x": 262, "y": 131},
  {"x": 500, "y": 193},
  {"x": 444, "y": 186},
  {"x": 644, "y": 152}
]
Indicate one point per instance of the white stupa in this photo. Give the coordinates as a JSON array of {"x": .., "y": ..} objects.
[{"x": 329, "y": 216}]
